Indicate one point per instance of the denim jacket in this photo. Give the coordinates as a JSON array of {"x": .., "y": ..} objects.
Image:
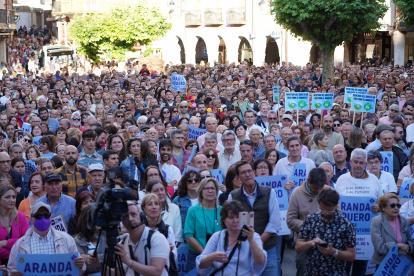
[
  {"x": 129, "y": 167},
  {"x": 184, "y": 203}
]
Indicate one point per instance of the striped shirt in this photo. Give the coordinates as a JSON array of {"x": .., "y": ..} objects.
[{"x": 40, "y": 245}]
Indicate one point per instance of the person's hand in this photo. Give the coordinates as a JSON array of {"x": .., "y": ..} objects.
[
  {"x": 249, "y": 233},
  {"x": 374, "y": 209},
  {"x": 173, "y": 183},
  {"x": 3, "y": 270},
  {"x": 18, "y": 189},
  {"x": 315, "y": 241},
  {"x": 403, "y": 248},
  {"x": 330, "y": 251},
  {"x": 120, "y": 251},
  {"x": 219, "y": 256},
  {"x": 79, "y": 262},
  {"x": 93, "y": 261},
  {"x": 289, "y": 185},
  {"x": 15, "y": 273},
  {"x": 222, "y": 188},
  {"x": 172, "y": 246}
]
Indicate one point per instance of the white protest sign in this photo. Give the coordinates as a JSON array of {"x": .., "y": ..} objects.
[{"x": 59, "y": 224}]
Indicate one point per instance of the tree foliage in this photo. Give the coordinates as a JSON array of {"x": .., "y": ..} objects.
[
  {"x": 405, "y": 11},
  {"x": 116, "y": 31}
]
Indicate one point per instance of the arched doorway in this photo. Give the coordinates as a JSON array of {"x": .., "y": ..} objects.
[
  {"x": 245, "y": 51},
  {"x": 222, "y": 51},
  {"x": 201, "y": 51},
  {"x": 182, "y": 50},
  {"x": 272, "y": 51},
  {"x": 315, "y": 54}
]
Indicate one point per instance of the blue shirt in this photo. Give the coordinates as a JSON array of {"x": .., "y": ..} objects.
[
  {"x": 53, "y": 124},
  {"x": 65, "y": 206},
  {"x": 85, "y": 160},
  {"x": 376, "y": 144}
]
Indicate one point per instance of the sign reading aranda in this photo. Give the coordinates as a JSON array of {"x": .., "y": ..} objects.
[
  {"x": 195, "y": 132},
  {"x": 387, "y": 161},
  {"x": 47, "y": 264},
  {"x": 394, "y": 264}
]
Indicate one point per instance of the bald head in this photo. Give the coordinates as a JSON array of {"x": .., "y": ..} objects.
[
  {"x": 4, "y": 162},
  {"x": 71, "y": 155},
  {"x": 327, "y": 123},
  {"x": 339, "y": 154}
]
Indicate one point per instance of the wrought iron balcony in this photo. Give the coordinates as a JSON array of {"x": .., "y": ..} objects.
[
  {"x": 193, "y": 18},
  {"x": 7, "y": 20},
  {"x": 213, "y": 17},
  {"x": 236, "y": 16}
]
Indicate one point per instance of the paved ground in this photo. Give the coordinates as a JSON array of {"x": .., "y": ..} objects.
[{"x": 288, "y": 265}]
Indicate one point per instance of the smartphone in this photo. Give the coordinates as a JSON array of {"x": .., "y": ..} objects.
[
  {"x": 251, "y": 219},
  {"x": 19, "y": 135},
  {"x": 323, "y": 244},
  {"x": 243, "y": 219}
]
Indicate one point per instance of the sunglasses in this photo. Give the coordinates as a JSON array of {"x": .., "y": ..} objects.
[
  {"x": 190, "y": 145},
  {"x": 39, "y": 216},
  {"x": 82, "y": 105},
  {"x": 152, "y": 123},
  {"x": 147, "y": 113},
  {"x": 76, "y": 119},
  {"x": 106, "y": 98},
  {"x": 27, "y": 140},
  {"x": 28, "y": 106},
  {"x": 381, "y": 104},
  {"x": 315, "y": 120},
  {"x": 393, "y": 205},
  {"x": 337, "y": 125},
  {"x": 211, "y": 155},
  {"x": 120, "y": 116},
  {"x": 194, "y": 180},
  {"x": 183, "y": 106},
  {"x": 205, "y": 176}
]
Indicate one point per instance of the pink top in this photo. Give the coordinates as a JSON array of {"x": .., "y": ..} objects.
[
  {"x": 18, "y": 231},
  {"x": 385, "y": 120},
  {"x": 396, "y": 228}
]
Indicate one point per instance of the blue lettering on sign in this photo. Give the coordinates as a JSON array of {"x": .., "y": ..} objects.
[
  {"x": 355, "y": 207},
  {"x": 44, "y": 268}
]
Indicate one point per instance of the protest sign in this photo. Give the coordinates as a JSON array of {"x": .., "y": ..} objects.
[
  {"x": 59, "y": 223},
  {"x": 298, "y": 173},
  {"x": 277, "y": 182},
  {"x": 48, "y": 155},
  {"x": 296, "y": 100},
  {"x": 363, "y": 102},
  {"x": 182, "y": 259},
  {"x": 178, "y": 82},
  {"x": 195, "y": 132},
  {"x": 350, "y": 91},
  {"x": 387, "y": 161},
  {"x": 412, "y": 230},
  {"x": 278, "y": 138},
  {"x": 394, "y": 264},
  {"x": 26, "y": 127},
  {"x": 193, "y": 272},
  {"x": 322, "y": 100},
  {"x": 47, "y": 264},
  {"x": 36, "y": 140},
  {"x": 371, "y": 267},
  {"x": 218, "y": 175},
  {"x": 405, "y": 188},
  {"x": 358, "y": 210},
  {"x": 276, "y": 94}
]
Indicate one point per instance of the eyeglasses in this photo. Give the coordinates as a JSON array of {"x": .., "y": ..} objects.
[
  {"x": 190, "y": 145},
  {"x": 28, "y": 106},
  {"x": 381, "y": 104},
  {"x": 337, "y": 125},
  {"x": 183, "y": 106},
  {"x": 5, "y": 162},
  {"x": 316, "y": 120},
  {"x": 272, "y": 118},
  {"x": 393, "y": 205},
  {"x": 327, "y": 212},
  {"x": 147, "y": 113},
  {"x": 393, "y": 110},
  {"x": 262, "y": 168},
  {"x": 388, "y": 86},
  {"x": 27, "y": 140},
  {"x": 393, "y": 97},
  {"x": 82, "y": 105},
  {"x": 106, "y": 98},
  {"x": 400, "y": 132},
  {"x": 193, "y": 180},
  {"x": 209, "y": 189},
  {"x": 205, "y": 176},
  {"x": 39, "y": 216},
  {"x": 76, "y": 119},
  {"x": 61, "y": 132},
  {"x": 211, "y": 155},
  {"x": 120, "y": 116},
  {"x": 152, "y": 123},
  {"x": 165, "y": 112}
]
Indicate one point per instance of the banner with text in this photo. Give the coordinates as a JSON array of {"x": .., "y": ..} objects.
[
  {"x": 387, "y": 161},
  {"x": 26, "y": 127},
  {"x": 182, "y": 259},
  {"x": 277, "y": 182},
  {"x": 47, "y": 264},
  {"x": 322, "y": 100},
  {"x": 394, "y": 264},
  {"x": 195, "y": 132},
  {"x": 298, "y": 174},
  {"x": 363, "y": 103},
  {"x": 405, "y": 188},
  {"x": 296, "y": 100},
  {"x": 350, "y": 91},
  {"x": 358, "y": 210},
  {"x": 178, "y": 82}
]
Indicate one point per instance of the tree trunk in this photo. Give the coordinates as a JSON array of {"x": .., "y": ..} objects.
[{"x": 328, "y": 65}]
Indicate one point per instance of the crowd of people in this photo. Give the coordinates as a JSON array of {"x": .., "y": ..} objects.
[{"x": 65, "y": 134}]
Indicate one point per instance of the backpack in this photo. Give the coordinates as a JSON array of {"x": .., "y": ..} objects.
[{"x": 163, "y": 229}]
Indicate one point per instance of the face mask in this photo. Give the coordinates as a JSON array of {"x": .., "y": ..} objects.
[{"x": 42, "y": 224}]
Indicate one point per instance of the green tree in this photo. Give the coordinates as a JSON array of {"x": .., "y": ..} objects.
[
  {"x": 328, "y": 23},
  {"x": 405, "y": 11},
  {"x": 116, "y": 31}
]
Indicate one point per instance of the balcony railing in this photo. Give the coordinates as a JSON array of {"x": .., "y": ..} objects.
[
  {"x": 7, "y": 19},
  {"x": 193, "y": 18},
  {"x": 213, "y": 17},
  {"x": 236, "y": 16}
]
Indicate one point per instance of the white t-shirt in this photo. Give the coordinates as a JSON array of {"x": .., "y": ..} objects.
[
  {"x": 388, "y": 183},
  {"x": 172, "y": 173},
  {"x": 4, "y": 99},
  {"x": 369, "y": 186},
  {"x": 407, "y": 209}
]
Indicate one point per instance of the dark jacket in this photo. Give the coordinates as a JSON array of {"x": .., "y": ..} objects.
[
  {"x": 401, "y": 157},
  {"x": 17, "y": 179},
  {"x": 300, "y": 89}
]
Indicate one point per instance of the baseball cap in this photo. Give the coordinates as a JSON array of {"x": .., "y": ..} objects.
[
  {"x": 95, "y": 167},
  {"x": 302, "y": 118},
  {"x": 52, "y": 176},
  {"x": 144, "y": 127},
  {"x": 382, "y": 127},
  {"x": 39, "y": 205},
  {"x": 287, "y": 116}
]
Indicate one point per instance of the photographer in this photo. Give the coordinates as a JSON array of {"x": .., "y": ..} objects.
[
  {"x": 144, "y": 261},
  {"x": 216, "y": 257}
]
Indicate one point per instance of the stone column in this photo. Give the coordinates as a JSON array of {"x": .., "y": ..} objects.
[{"x": 398, "y": 43}]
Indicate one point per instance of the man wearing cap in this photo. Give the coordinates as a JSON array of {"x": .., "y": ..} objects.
[
  {"x": 376, "y": 144},
  {"x": 59, "y": 203},
  {"x": 96, "y": 177},
  {"x": 41, "y": 238},
  {"x": 287, "y": 121},
  {"x": 73, "y": 176}
]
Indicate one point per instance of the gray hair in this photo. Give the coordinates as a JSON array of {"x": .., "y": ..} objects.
[
  {"x": 321, "y": 156},
  {"x": 210, "y": 136},
  {"x": 15, "y": 145},
  {"x": 387, "y": 131},
  {"x": 347, "y": 124},
  {"x": 328, "y": 164},
  {"x": 66, "y": 108},
  {"x": 285, "y": 128},
  {"x": 267, "y": 135},
  {"x": 310, "y": 126},
  {"x": 359, "y": 153},
  {"x": 131, "y": 127},
  {"x": 75, "y": 113},
  {"x": 227, "y": 132},
  {"x": 175, "y": 132},
  {"x": 91, "y": 117},
  {"x": 396, "y": 106},
  {"x": 271, "y": 112}
]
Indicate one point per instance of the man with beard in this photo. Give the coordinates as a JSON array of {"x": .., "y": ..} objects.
[
  {"x": 100, "y": 138},
  {"x": 179, "y": 154},
  {"x": 333, "y": 137},
  {"x": 230, "y": 155},
  {"x": 44, "y": 116},
  {"x": 82, "y": 105},
  {"x": 73, "y": 176},
  {"x": 173, "y": 174}
]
